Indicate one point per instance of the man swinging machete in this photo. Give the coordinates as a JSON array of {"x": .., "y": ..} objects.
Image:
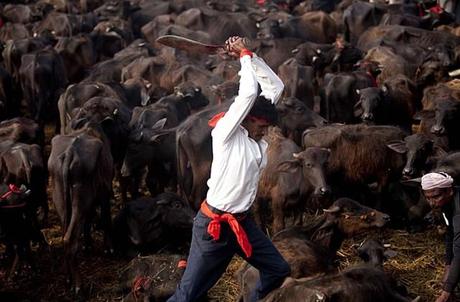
[{"x": 224, "y": 225}]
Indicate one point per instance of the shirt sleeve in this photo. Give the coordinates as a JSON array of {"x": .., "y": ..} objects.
[
  {"x": 271, "y": 85},
  {"x": 247, "y": 94},
  {"x": 454, "y": 271}
]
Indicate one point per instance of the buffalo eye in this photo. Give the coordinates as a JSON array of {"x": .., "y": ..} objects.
[
  {"x": 308, "y": 165},
  {"x": 299, "y": 110}
]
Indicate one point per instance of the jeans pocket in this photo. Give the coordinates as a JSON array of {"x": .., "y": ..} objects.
[{"x": 200, "y": 229}]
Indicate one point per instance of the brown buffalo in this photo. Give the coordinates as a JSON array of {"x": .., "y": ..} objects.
[
  {"x": 43, "y": 78},
  {"x": 354, "y": 284},
  {"x": 15, "y": 226},
  {"x": 152, "y": 278},
  {"x": 338, "y": 94},
  {"x": 21, "y": 129},
  {"x": 300, "y": 81},
  {"x": 359, "y": 154},
  {"x": 421, "y": 153},
  {"x": 149, "y": 224},
  {"x": 290, "y": 179},
  {"x": 316, "y": 27},
  {"x": 295, "y": 117},
  {"x": 81, "y": 170},
  {"x": 23, "y": 164},
  {"x": 311, "y": 249},
  {"x": 78, "y": 54},
  {"x": 219, "y": 25}
]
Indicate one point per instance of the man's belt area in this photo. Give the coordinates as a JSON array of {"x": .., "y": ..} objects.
[
  {"x": 217, "y": 216},
  {"x": 238, "y": 216}
]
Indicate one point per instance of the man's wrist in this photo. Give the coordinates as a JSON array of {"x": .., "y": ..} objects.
[{"x": 245, "y": 52}]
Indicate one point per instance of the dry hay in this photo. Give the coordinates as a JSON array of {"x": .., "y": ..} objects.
[
  {"x": 418, "y": 265},
  {"x": 227, "y": 288}
]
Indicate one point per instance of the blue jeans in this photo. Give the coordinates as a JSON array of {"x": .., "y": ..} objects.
[{"x": 208, "y": 260}]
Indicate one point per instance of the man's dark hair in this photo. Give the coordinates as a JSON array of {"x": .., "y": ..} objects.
[{"x": 264, "y": 109}]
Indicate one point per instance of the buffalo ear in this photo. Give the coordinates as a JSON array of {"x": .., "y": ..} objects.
[
  {"x": 107, "y": 122},
  {"x": 158, "y": 130},
  {"x": 77, "y": 124},
  {"x": 289, "y": 166},
  {"x": 162, "y": 202},
  {"x": 156, "y": 137},
  {"x": 159, "y": 124},
  {"x": 332, "y": 209},
  {"x": 398, "y": 146}
]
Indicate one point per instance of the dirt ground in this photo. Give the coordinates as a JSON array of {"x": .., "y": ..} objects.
[{"x": 418, "y": 265}]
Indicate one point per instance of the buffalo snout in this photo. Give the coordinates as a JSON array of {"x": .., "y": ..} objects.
[
  {"x": 323, "y": 191},
  {"x": 409, "y": 172},
  {"x": 185, "y": 218},
  {"x": 438, "y": 130},
  {"x": 381, "y": 219},
  {"x": 179, "y": 215},
  {"x": 367, "y": 117}
]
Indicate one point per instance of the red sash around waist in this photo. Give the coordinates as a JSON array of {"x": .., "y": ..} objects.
[{"x": 214, "y": 228}]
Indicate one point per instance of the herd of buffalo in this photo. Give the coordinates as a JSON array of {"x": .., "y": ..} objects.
[{"x": 370, "y": 104}]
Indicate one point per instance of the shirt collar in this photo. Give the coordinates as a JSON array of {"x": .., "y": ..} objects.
[
  {"x": 245, "y": 131},
  {"x": 262, "y": 142}
]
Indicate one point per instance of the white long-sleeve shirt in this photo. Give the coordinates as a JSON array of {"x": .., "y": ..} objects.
[{"x": 237, "y": 158}]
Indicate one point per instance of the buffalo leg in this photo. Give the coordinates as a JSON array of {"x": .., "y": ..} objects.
[
  {"x": 278, "y": 215},
  {"x": 71, "y": 250},
  {"x": 106, "y": 223}
]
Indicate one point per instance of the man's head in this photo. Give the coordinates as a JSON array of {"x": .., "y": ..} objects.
[
  {"x": 262, "y": 115},
  {"x": 437, "y": 188}
]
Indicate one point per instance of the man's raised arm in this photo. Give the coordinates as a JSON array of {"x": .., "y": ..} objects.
[
  {"x": 246, "y": 97},
  {"x": 271, "y": 85}
]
